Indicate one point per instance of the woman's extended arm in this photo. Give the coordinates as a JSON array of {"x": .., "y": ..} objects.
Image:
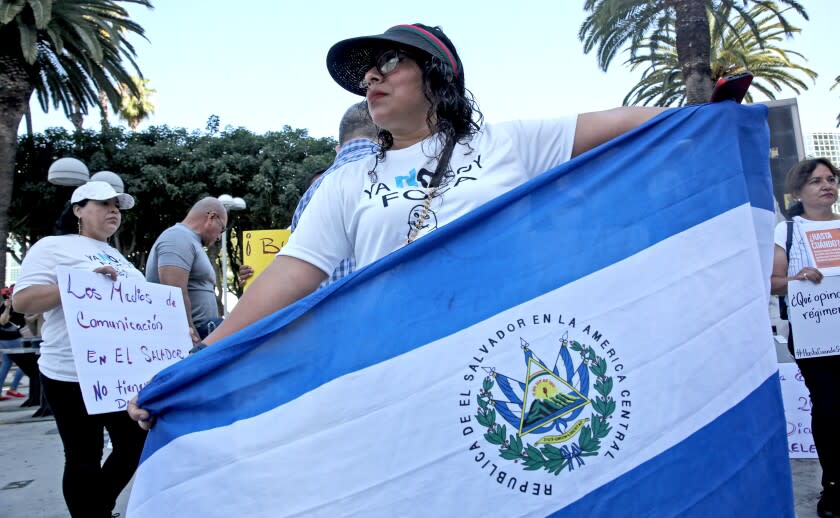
[
  {"x": 285, "y": 281},
  {"x": 37, "y": 298},
  {"x": 595, "y": 128}
]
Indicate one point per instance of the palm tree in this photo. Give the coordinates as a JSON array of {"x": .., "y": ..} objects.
[
  {"x": 734, "y": 49},
  {"x": 134, "y": 108},
  {"x": 65, "y": 51},
  {"x": 836, "y": 83},
  {"x": 614, "y": 24}
]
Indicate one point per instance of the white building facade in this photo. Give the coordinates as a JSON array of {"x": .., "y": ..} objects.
[{"x": 823, "y": 144}]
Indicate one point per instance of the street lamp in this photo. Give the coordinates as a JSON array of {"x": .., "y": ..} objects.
[
  {"x": 110, "y": 178},
  {"x": 230, "y": 203},
  {"x": 68, "y": 171}
]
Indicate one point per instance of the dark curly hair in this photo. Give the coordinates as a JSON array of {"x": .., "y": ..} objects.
[
  {"x": 798, "y": 176},
  {"x": 453, "y": 112}
]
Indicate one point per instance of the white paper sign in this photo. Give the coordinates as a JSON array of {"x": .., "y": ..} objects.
[
  {"x": 822, "y": 240},
  {"x": 814, "y": 314},
  {"x": 797, "y": 403},
  {"x": 122, "y": 333}
]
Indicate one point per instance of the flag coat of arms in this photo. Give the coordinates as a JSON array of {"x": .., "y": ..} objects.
[{"x": 595, "y": 342}]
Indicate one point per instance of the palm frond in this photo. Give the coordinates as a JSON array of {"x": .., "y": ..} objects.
[
  {"x": 637, "y": 26},
  {"x": 73, "y": 49},
  {"x": 735, "y": 47}
]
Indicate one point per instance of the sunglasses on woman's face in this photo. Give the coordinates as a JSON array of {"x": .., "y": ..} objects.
[{"x": 386, "y": 63}]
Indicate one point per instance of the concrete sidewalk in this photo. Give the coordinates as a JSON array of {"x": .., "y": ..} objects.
[{"x": 32, "y": 461}]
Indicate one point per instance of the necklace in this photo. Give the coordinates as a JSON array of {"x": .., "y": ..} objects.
[
  {"x": 418, "y": 225},
  {"x": 434, "y": 185}
]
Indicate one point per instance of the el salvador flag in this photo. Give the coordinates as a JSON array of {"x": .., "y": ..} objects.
[{"x": 595, "y": 342}]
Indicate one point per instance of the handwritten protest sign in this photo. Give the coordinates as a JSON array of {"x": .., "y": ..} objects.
[
  {"x": 122, "y": 333},
  {"x": 797, "y": 403},
  {"x": 823, "y": 245},
  {"x": 259, "y": 248},
  {"x": 814, "y": 314}
]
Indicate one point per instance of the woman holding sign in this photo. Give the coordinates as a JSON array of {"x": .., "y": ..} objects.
[
  {"x": 90, "y": 487},
  {"x": 814, "y": 184}
]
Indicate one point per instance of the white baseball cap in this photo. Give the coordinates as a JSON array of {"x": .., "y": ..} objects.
[{"x": 101, "y": 191}]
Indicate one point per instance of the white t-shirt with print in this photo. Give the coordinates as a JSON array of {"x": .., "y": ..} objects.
[
  {"x": 39, "y": 268},
  {"x": 350, "y": 215},
  {"x": 798, "y": 248}
]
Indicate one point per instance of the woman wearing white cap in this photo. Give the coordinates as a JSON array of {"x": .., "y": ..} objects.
[{"x": 90, "y": 487}]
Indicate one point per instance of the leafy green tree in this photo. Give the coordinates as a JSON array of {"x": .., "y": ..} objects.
[
  {"x": 135, "y": 108},
  {"x": 65, "y": 51},
  {"x": 167, "y": 170},
  {"x": 734, "y": 49},
  {"x": 613, "y": 25}
]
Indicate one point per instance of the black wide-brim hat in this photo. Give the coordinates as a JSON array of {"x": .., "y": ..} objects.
[{"x": 349, "y": 60}]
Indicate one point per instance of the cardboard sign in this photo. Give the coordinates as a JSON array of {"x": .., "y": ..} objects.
[
  {"x": 259, "y": 247},
  {"x": 797, "y": 401},
  {"x": 122, "y": 333},
  {"x": 814, "y": 314},
  {"x": 822, "y": 239}
]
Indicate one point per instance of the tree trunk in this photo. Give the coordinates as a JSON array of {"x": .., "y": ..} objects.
[
  {"x": 15, "y": 91},
  {"x": 103, "y": 111},
  {"x": 76, "y": 116},
  {"x": 27, "y": 115},
  {"x": 693, "y": 48}
]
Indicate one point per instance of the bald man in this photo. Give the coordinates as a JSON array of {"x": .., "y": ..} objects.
[{"x": 178, "y": 259}]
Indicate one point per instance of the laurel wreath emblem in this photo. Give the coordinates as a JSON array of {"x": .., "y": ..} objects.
[{"x": 549, "y": 457}]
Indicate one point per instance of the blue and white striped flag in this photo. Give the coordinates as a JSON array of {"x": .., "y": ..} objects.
[{"x": 595, "y": 342}]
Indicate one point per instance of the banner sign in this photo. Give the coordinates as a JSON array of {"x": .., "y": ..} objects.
[
  {"x": 797, "y": 401},
  {"x": 814, "y": 314},
  {"x": 823, "y": 245},
  {"x": 122, "y": 333},
  {"x": 259, "y": 248}
]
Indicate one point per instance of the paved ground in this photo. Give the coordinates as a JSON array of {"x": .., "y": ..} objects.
[{"x": 32, "y": 460}]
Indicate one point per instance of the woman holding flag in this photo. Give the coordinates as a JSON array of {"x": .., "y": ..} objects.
[
  {"x": 813, "y": 183},
  {"x": 437, "y": 162}
]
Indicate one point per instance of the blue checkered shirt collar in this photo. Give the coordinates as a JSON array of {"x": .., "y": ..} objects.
[{"x": 351, "y": 151}]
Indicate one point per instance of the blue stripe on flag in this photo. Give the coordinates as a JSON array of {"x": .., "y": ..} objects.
[
  {"x": 679, "y": 170},
  {"x": 736, "y": 450}
]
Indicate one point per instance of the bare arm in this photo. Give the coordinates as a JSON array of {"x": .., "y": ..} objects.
[
  {"x": 595, "y": 128},
  {"x": 179, "y": 278},
  {"x": 779, "y": 278},
  {"x": 285, "y": 281},
  {"x": 37, "y": 299}
]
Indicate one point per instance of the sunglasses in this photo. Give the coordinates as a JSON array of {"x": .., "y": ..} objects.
[{"x": 385, "y": 64}]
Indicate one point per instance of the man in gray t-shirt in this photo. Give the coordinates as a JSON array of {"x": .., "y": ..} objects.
[{"x": 178, "y": 259}]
